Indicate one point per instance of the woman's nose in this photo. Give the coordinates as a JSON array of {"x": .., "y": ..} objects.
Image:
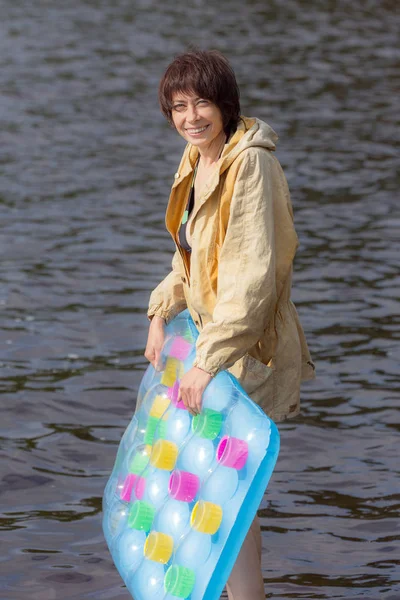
[{"x": 191, "y": 113}]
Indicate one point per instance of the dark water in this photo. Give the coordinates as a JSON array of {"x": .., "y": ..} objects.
[{"x": 86, "y": 162}]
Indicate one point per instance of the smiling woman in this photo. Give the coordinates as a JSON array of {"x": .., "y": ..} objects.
[{"x": 230, "y": 216}]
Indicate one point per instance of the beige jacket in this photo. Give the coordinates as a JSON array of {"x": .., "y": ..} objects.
[{"x": 237, "y": 281}]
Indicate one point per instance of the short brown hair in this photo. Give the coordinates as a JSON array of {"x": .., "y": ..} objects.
[{"x": 208, "y": 74}]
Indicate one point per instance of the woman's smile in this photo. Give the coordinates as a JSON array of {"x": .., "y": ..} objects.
[{"x": 196, "y": 131}]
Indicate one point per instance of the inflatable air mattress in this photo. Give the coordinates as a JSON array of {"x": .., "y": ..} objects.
[{"x": 184, "y": 490}]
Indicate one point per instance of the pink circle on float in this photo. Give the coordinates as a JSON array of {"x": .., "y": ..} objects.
[
  {"x": 232, "y": 452},
  {"x": 183, "y": 486},
  {"x": 172, "y": 394},
  {"x": 140, "y": 487},
  {"x": 180, "y": 348},
  {"x": 126, "y": 492}
]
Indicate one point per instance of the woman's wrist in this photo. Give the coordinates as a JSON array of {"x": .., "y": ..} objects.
[
  {"x": 156, "y": 319},
  {"x": 204, "y": 371}
]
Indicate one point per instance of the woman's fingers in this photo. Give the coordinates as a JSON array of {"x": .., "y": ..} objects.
[
  {"x": 155, "y": 342},
  {"x": 186, "y": 399},
  {"x": 191, "y": 399},
  {"x": 192, "y": 386},
  {"x": 188, "y": 405},
  {"x": 149, "y": 354}
]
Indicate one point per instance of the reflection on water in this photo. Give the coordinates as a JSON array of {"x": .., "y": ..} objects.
[{"x": 86, "y": 162}]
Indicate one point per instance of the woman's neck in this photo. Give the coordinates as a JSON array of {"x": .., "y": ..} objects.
[{"x": 210, "y": 155}]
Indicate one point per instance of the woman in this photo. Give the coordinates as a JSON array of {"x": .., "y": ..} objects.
[{"x": 230, "y": 217}]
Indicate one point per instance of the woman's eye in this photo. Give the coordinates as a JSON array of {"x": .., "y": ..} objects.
[
  {"x": 178, "y": 106},
  {"x": 202, "y": 102}
]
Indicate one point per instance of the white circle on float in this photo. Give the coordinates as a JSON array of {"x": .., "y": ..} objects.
[
  {"x": 178, "y": 426},
  {"x": 194, "y": 550},
  {"x": 221, "y": 486},
  {"x": 197, "y": 456},
  {"x": 173, "y": 518},
  {"x": 156, "y": 490},
  {"x": 129, "y": 548},
  {"x": 148, "y": 580}
]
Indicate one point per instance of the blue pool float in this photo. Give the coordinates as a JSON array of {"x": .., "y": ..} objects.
[{"x": 184, "y": 490}]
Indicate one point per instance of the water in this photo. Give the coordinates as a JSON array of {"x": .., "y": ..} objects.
[{"x": 86, "y": 162}]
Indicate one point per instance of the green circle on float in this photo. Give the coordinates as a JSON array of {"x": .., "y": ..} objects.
[
  {"x": 207, "y": 424},
  {"x": 179, "y": 581}
]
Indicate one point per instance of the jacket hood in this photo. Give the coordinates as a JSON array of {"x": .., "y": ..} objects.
[{"x": 249, "y": 133}]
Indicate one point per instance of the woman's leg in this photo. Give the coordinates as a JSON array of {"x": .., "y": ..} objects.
[{"x": 245, "y": 581}]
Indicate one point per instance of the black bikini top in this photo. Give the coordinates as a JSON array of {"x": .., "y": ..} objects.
[{"x": 189, "y": 207}]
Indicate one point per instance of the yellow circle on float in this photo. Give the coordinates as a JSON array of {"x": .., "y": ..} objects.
[
  {"x": 164, "y": 455},
  {"x": 158, "y": 547},
  {"x": 159, "y": 406},
  {"x": 206, "y": 517},
  {"x": 173, "y": 371}
]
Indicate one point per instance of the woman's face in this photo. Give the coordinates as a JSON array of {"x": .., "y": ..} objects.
[{"x": 197, "y": 120}]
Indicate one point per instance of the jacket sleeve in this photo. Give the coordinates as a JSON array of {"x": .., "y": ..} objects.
[
  {"x": 168, "y": 299},
  {"x": 246, "y": 296}
]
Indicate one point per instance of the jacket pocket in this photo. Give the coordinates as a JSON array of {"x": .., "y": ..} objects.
[{"x": 257, "y": 379}]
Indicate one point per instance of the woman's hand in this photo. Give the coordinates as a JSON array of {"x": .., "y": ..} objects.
[
  {"x": 155, "y": 341},
  {"x": 191, "y": 389}
]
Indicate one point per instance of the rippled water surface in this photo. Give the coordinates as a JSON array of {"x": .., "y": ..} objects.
[{"x": 86, "y": 162}]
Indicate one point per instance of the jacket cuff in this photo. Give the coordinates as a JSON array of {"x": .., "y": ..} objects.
[
  {"x": 166, "y": 314},
  {"x": 204, "y": 366}
]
